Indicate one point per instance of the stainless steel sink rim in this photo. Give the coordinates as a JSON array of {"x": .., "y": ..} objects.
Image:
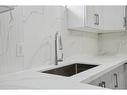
[{"x": 69, "y": 70}]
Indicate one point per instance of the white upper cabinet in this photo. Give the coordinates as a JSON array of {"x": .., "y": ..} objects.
[
  {"x": 113, "y": 17},
  {"x": 100, "y": 19},
  {"x": 75, "y": 16},
  {"x": 125, "y": 19}
]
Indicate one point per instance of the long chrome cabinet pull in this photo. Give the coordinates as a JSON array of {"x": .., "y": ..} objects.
[
  {"x": 116, "y": 80},
  {"x": 125, "y": 22},
  {"x": 96, "y": 19}
]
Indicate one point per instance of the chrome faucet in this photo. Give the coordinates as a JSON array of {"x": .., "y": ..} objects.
[{"x": 56, "y": 48}]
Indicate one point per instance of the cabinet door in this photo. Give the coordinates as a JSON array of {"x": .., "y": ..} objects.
[
  {"x": 125, "y": 19},
  {"x": 113, "y": 17},
  {"x": 96, "y": 82},
  {"x": 98, "y": 16},
  {"x": 118, "y": 81},
  {"x": 90, "y": 16},
  {"x": 125, "y": 75},
  {"x": 103, "y": 81},
  {"x": 121, "y": 74},
  {"x": 94, "y": 16},
  {"x": 106, "y": 79},
  {"x": 75, "y": 16}
]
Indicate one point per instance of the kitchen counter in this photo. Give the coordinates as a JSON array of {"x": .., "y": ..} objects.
[{"x": 33, "y": 79}]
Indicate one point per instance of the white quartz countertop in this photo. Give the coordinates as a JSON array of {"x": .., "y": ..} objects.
[{"x": 33, "y": 79}]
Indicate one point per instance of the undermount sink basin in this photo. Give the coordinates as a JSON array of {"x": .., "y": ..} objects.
[{"x": 70, "y": 70}]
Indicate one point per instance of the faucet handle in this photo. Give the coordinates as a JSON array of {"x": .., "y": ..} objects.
[
  {"x": 61, "y": 59},
  {"x": 60, "y": 43}
]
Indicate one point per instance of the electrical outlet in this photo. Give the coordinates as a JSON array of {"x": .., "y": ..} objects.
[{"x": 19, "y": 49}]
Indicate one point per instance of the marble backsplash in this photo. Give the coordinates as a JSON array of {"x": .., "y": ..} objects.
[
  {"x": 112, "y": 43},
  {"x": 43, "y": 31}
]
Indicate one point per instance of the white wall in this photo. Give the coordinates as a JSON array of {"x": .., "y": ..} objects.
[
  {"x": 10, "y": 34},
  {"x": 113, "y": 43},
  {"x": 36, "y": 27}
]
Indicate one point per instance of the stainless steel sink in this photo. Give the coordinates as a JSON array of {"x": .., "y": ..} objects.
[{"x": 70, "y": 70}]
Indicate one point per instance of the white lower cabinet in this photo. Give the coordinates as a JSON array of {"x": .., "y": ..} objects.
[
  {"x": 126, "y": 75},
  {"x": 118, "y": 78},
  {"x": 114, "y": 79},
  {"x": 103, "y": 81}
]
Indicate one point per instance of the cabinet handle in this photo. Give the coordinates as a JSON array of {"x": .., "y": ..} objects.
[
  {"x": 96, "y": 19},
  {"x": 116, "y": 80},
  {"x": 125, "y": 22},
  {"x": 102, "y": 84}
]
